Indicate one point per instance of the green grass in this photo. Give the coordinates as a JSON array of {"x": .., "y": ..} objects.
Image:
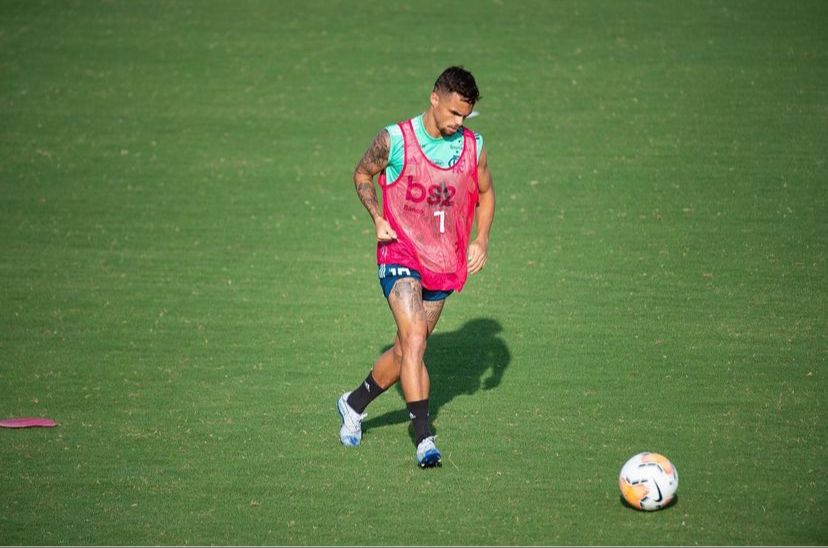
[{"x": 187, "y": 280}]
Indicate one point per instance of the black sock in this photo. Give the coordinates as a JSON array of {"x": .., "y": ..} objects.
[
  {"x": 364, "y": 394},
  {"x": 418, "y": 411}
]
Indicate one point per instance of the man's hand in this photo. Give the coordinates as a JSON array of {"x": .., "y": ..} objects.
[
  {"x": 384, "y": 231},
  {"x": 478, "y": 256}
]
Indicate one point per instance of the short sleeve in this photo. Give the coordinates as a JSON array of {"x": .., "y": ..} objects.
[{"x": 396, "y": 153}]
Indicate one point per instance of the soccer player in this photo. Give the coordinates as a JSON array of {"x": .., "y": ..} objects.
[{"x": 435, "y": 185}]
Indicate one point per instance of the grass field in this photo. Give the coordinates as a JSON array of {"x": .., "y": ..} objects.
[{"x": 188, "y": 280}]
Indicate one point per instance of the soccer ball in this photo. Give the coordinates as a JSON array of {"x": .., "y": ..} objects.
[{"x": 648, "y": 481}]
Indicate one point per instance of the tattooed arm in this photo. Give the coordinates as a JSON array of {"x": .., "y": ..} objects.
[{"x": 372, "y": 163}]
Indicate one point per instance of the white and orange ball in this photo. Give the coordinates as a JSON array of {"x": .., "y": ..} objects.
[{"x": 648, "y": 481}]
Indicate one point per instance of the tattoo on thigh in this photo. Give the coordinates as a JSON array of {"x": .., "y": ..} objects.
[
  {"x": 408, "y": 297},
  {"x": 433, "y": 310}
]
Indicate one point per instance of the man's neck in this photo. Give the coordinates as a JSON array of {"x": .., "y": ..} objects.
[{"x": 430, "y": 125}]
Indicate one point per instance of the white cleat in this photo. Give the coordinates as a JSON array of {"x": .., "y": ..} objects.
[
  {"x": 350, "y": 432},
  {"x": 427, "y": 453}
]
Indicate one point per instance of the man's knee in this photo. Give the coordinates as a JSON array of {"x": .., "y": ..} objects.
[
  {"x": 413, "y": 343},
  {"x": 398, "y": 351}
]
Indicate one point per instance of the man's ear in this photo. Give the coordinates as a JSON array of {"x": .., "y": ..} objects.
[{"x": 435, "y": 99}]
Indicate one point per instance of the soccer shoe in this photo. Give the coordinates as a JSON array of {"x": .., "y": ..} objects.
[
  {"x": 350, "y": 431},
  {"x": 427, "y": 453}
]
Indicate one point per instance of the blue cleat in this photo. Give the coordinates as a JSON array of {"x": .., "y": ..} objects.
[
  {"x": 428, "y": 455},
  {"x": 350, "y": 431}
]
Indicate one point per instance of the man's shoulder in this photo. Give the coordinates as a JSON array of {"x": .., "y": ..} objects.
[
  {"x": 396, "y": 141},
  {"x": 396, "y": 150},
  {"x": 394, "y": 130},
  {"x": 478, "y": 137}
]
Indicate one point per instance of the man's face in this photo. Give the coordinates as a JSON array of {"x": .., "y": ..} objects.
[{"x": 450, "y": 109}]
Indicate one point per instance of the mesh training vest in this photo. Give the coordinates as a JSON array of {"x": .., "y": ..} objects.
[{"x": 432, "y": 210}]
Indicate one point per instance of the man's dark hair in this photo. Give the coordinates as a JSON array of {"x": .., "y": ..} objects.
[{"x": 459, "y": 80}]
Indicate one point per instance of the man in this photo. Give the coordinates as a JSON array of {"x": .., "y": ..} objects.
[{"x": 435, "y": 183}]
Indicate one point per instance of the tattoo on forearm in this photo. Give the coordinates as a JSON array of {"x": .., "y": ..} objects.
[
  {"x": 368, "y": 197},
  {"x": 373, "y": 162}
]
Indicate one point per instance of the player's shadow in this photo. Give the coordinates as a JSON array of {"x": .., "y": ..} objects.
[{"x": 459, "y": 362}]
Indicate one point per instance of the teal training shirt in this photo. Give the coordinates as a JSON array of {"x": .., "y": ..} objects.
[{"x": 443, "y": 151}]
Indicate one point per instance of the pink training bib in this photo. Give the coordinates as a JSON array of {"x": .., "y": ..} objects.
[{"x": 432, "y": 210}]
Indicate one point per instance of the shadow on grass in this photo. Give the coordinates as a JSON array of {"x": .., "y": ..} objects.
[
  {"x": 667, "y": 506},
  {"x": 459, "y": 362}
]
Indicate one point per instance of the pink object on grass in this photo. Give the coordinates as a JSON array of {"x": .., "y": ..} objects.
[{"x": 27, "y": 422}]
